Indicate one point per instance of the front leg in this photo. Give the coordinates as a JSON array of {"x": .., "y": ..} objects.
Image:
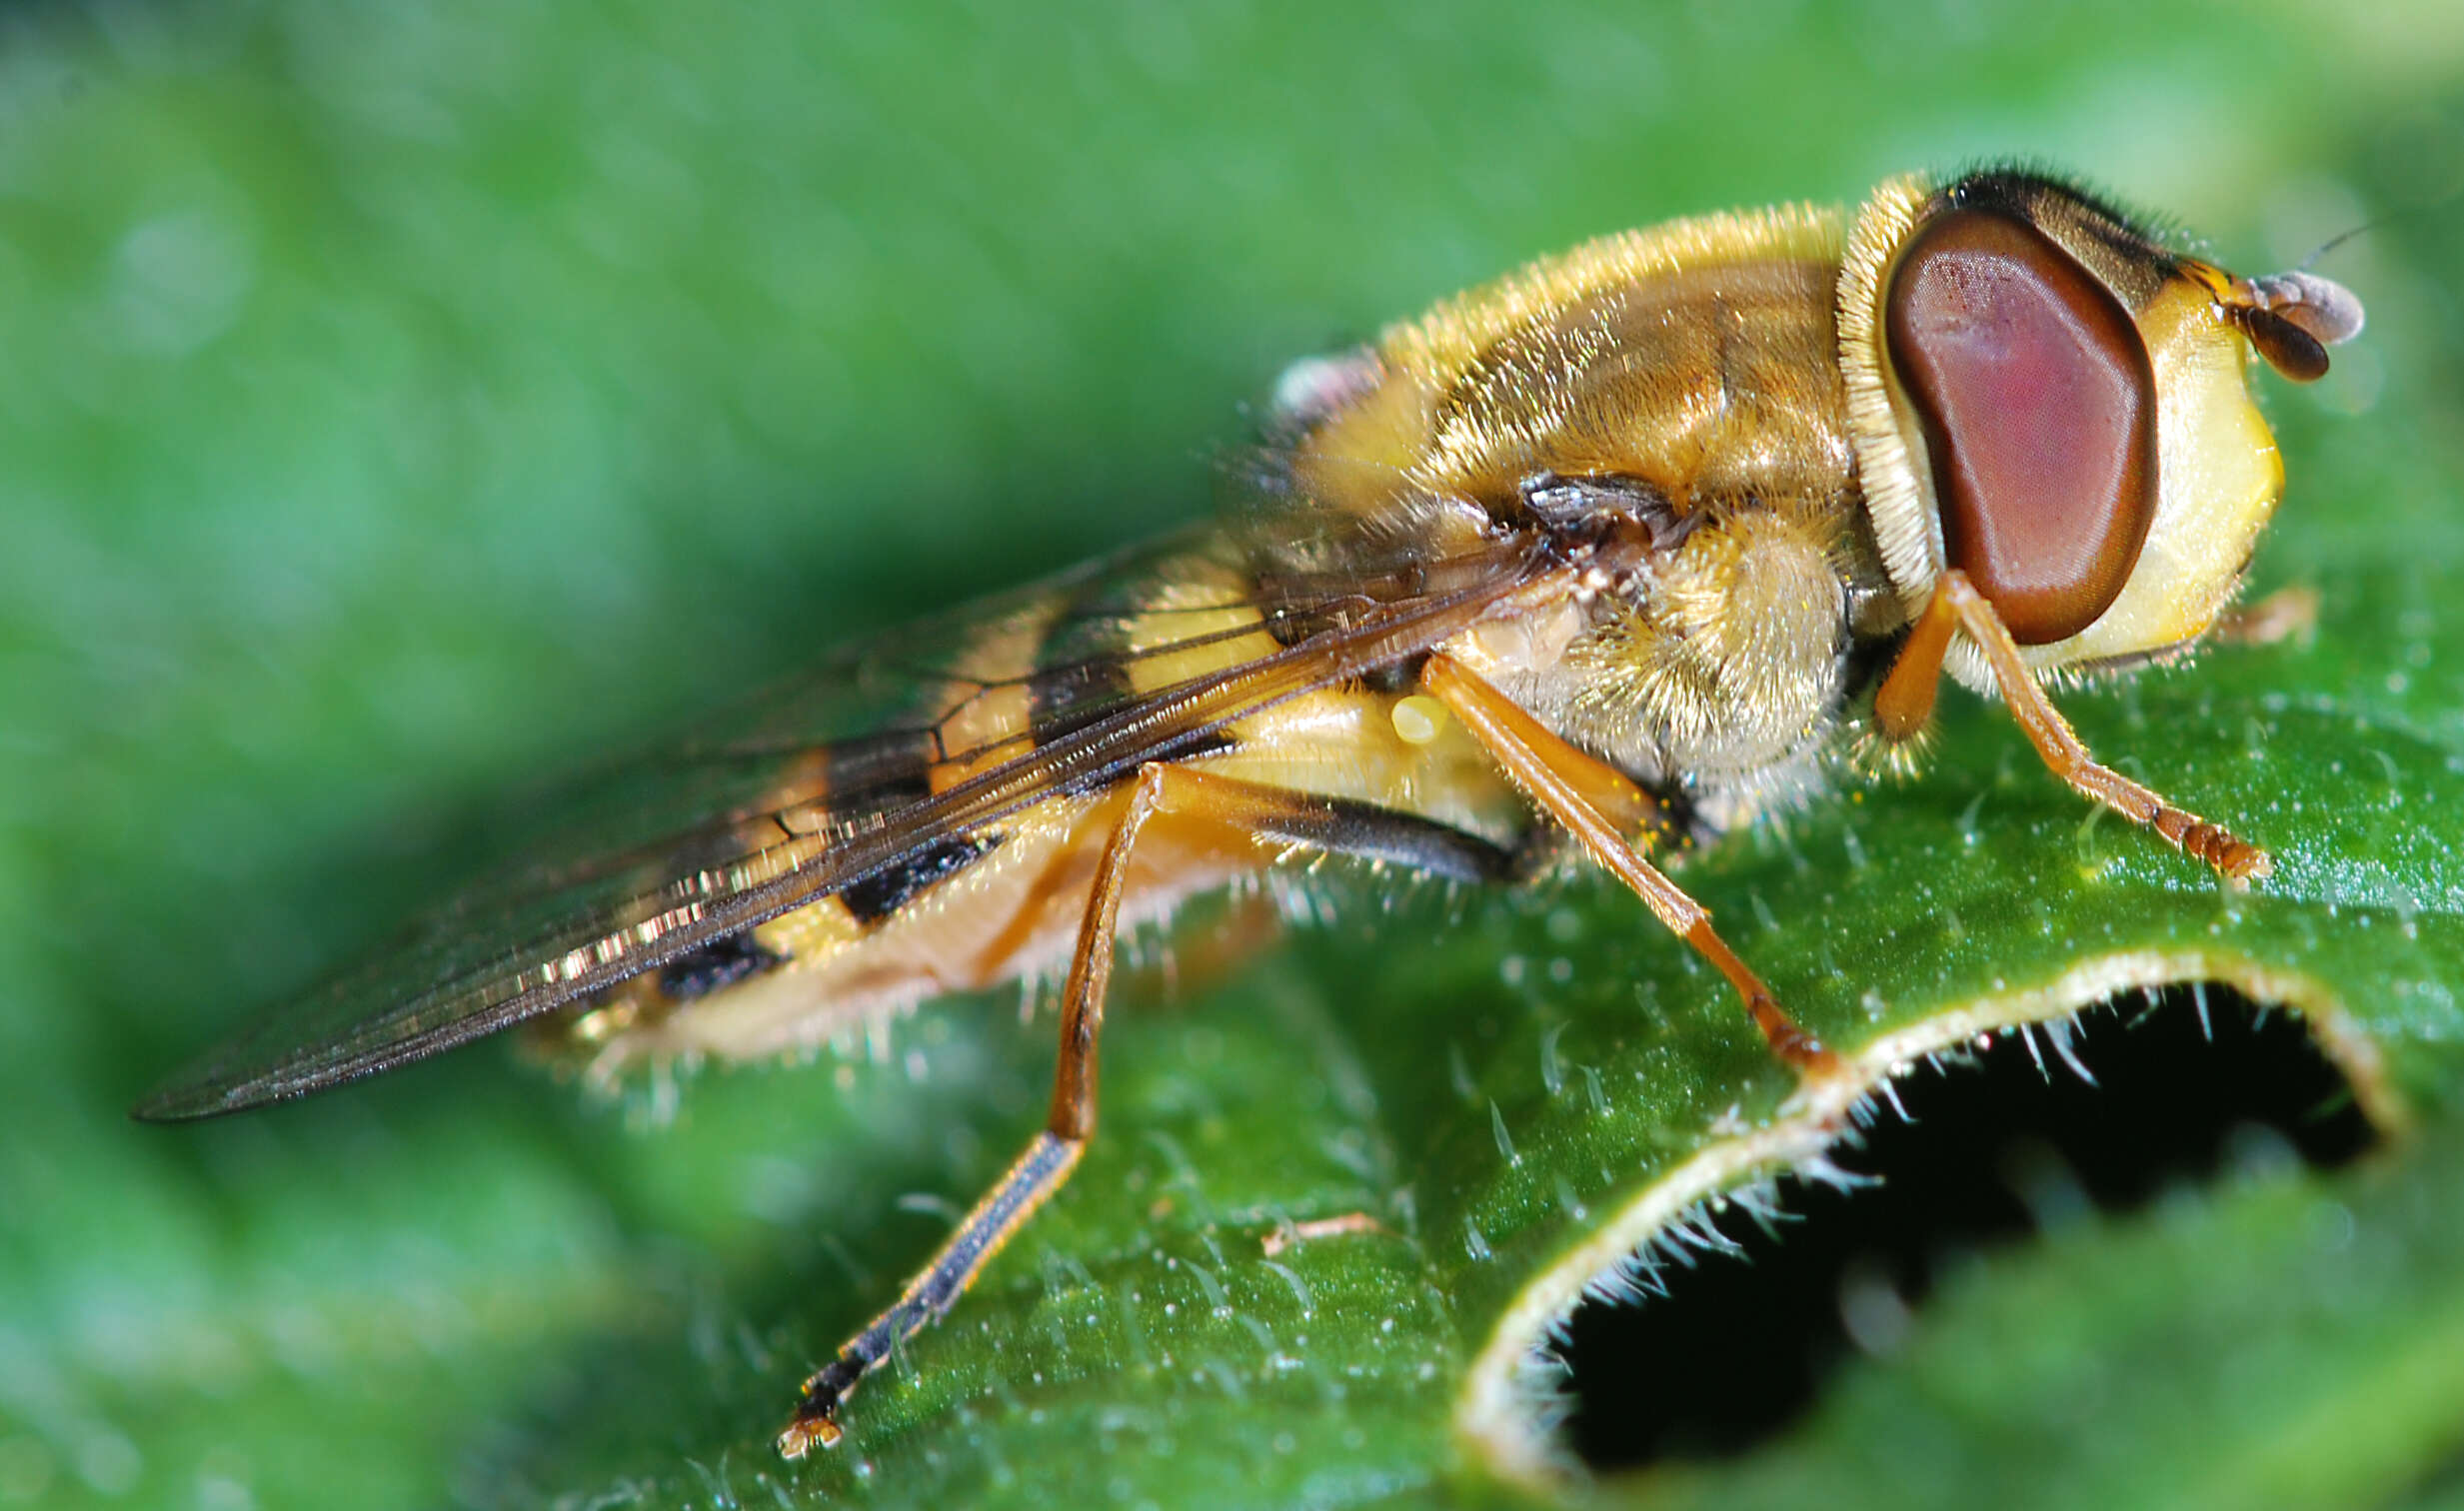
[{"x": 1905, "y": 701}]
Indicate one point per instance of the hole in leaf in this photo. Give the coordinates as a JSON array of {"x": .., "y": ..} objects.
[{"x": 1736, "y": 1345}]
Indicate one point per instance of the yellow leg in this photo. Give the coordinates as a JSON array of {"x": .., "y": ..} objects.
[
  {"x": 1591, "y": 797},
  {"x": 1906, "y": 700},
  {"x": 1040, "y": 1171}
]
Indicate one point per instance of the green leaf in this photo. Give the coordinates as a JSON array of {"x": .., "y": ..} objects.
[{"x": 405, "y": 404}]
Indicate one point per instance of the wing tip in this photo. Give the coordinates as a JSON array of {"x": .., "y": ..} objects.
[
  {"x": 189, "y": 1099},
  {"x": 220, "y": 1087}
]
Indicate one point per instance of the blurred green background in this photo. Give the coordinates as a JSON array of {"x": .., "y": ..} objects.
[{"x": 402, "y": 402}]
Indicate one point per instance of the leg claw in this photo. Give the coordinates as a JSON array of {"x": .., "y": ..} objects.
[
  {"x": 816, "y": 1424},
  {"x": 811, "y": 1429}
]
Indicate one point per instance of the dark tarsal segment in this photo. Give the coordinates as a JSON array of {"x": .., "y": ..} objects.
[
  {"x": 1028, "y": 1184},
  {"x": 2039, "y": 408}
]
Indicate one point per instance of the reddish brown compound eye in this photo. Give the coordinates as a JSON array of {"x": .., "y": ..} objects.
[{"x": 2039, "y": 407}]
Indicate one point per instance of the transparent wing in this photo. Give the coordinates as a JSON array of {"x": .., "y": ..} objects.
[{"x": 821, "y": 784}]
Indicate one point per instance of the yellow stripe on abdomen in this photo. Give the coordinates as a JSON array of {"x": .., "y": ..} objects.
[{"x": 1190, "y": 632}]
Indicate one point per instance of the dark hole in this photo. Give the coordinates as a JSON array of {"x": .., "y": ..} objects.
[{"x": 1990, "y": 1149}]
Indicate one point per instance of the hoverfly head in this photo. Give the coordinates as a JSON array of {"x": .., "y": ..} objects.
[{"x": 2049, "y": 399}]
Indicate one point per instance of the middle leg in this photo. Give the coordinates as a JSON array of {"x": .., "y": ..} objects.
[{"x": 1602, "y": 808}]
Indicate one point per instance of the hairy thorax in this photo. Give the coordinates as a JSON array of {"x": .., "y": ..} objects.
[{"x": 1696, "y": 368}]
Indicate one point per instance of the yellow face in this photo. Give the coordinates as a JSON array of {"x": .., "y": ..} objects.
[{"x": 2218, "y": 475}]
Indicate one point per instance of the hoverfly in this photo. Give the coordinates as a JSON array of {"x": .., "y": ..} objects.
[{"x": 1631, "y": 545}]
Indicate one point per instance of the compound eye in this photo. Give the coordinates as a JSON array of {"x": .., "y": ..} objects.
[{"x": 2039, "y": 407}]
